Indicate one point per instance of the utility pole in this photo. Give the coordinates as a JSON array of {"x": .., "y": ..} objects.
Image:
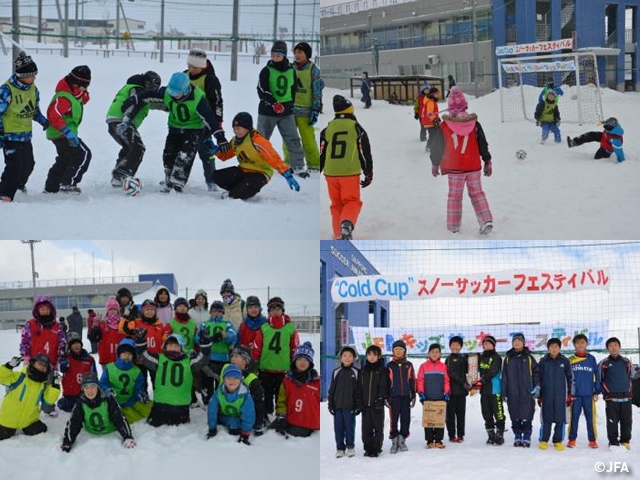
[
  {"x": 15, "y": 12},
  {"x": 118, "y": 24},
  {"x": 34, "y": 274},
  {"x": 373, "y": 46},
  {"x": 234, "y": 41},
  {"x": 474, "y": 26},
  {"x": 162, "y": 32},
  {"x": 293, "y": 33},
  {"x": 75, "y": 25},
  {"x": 39, "y": 21},
  {"x": 275, "y": 21},
  {"x": 66, "y": 29}
]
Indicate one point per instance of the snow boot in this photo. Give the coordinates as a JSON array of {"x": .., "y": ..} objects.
[
  {"x": 346, "y": 229},
  {"x": 71, "y": 189},
  {"x": 302, "y": 172},
  {"x": 402, "y": 446},
  {"x": 492, "y": 436},
  {"x": 570, "y": 142},
  {"x": 395, "y": 443},
  {"x": 486, "y": 228},
  {"x": 499, "y": 437},
  {"x": 116, "y": 182}
]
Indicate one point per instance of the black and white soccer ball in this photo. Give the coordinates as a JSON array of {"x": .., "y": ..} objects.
[{"x": 521, "y": 154}]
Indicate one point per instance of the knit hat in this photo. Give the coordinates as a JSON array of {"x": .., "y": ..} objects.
[
  {"x": 180, "y": 301},
  {"x": 491, "y": 339},
  {"x": 275, "y": 302},
  {"x": 151, "y": 80},
  {"x": 197, "y": 58},
  {"x": 551, "y": 341},
  {"x": 43, "y": 300},
  {"x": 244, "y": 120},
  {"x": 456, "y": 338},
  {"x": 613, "y": 340},
  {"x": 123, "y": 292},
  {"x": 126, "y": 345},
  {"x": 253, "y": 301},
  {"x": 279, "y": 48},
  {"x": 89, "y": 378},
  {"x": 243, "y": 352},
  {"x": 348, "y": 348},
  {"x": 424, "y": 86},
  {"x": 227, "y": 286},
  {"x": 434, "y": 346},
  {"x": 80, "y": 76},
  {"x": 112, "y": 303},
  {"x": 433, "y": 90},
  {"x": 201, "y": 293},
  {"x": 342, "y": 105},
  {"x": 305, "y": 350},
  {"x": 232, "y": 371},
  {"x": 457, "y": 103},
  {"x": 73, "y": 337},
  {"x": 217, "y": 305},
  {"x": 374, "y": 349},
  {"x": 175, "y": 338},
  {"x": 305, "y": 47},
  {"x": 24, "y": 66},
  {"x": 399, "y": 343},
  {"x": 149, "y": 303},
  {"x": 518, "y": 336},
  {"x": 179, "y": 84}
]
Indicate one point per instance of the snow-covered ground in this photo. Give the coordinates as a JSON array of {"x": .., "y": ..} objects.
[
  {"x": 162, "y": 453},
  {"x": 473, "y": 458},
  {"x": 556, "y": 193},
  {"x": 276, "y": 212}
]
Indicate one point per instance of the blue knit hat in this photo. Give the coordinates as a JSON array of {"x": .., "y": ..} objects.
[
  {"x": 179, "y": 84},
  {"x": 305, "y": 351},
  {"x": 232, "y": 371}
]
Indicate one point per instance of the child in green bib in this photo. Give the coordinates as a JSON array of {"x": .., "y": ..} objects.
[{"x": 98, "y": 413}]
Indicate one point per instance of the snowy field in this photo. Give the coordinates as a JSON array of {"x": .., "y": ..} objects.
[
  {"x": 162, "y": 453},
  {"x": 556, "y": 193},
  {"x": 276, "y": 212},
  {"x": 473, "y": 458}
]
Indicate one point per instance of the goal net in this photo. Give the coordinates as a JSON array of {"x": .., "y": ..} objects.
[{"x": 523, "y": 78}]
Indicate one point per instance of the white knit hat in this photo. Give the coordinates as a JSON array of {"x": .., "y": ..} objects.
[{"x": 197, "y": 58}]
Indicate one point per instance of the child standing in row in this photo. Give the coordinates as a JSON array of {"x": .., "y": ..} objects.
[
  {"x": 373, "y": 388},
  {"x": 433, "y": 385},
  {"x": 587, "y": 387},
  {"x": 402, "y": 395},
  {"x": 252, "y": 323},
  {"x": 457, "y": 367},
  {"x": 344, "y": 402},
  {"x": 489, "y": 384}
]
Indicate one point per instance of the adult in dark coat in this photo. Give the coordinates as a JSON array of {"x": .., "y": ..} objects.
[
  {"x": 520, "y": 387},
  {"x": 75, "y": 322},
  {"x": 365, "y": 89},
  {"x": 556, "y": 392}
]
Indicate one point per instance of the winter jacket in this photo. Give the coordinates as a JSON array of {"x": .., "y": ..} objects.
[
  {"x": 75, "y": 323},
  {"x": 61, "y": 108},
  {"x": 299, "y": 399},
  {"x": 615, "y": 375},
  {"x": 165, "y": 310},
  {"x": 199, "y": 314},
  {"x": 457, "y": 366},
  {"x": 5, "y": 101},
  {"x": 265, "y": 93},
  {"x": 281, "y": 343},
  {"x": 556, "y": 382},
  {"x": 212, "y": 88},
  {"x": 116, "y": 377},
  {"x": 36, "y": 338},
  {"x": 402, "y": 378},
  {"x": 92, "y": 321},
  {"x": 585, "y": 375},
  {"x": 611, "y": 141},
  {"x": 427, "y": 110},
  {"x": 433, "y": 380},
  {"x": 343, "y": 390},
  {"x": 21, "y": 404},
  {"x": 72, "y": 367},
  {"x": 78, "y": 418},
  {"x": 236, "y": 311},
  {"x": 129, "y": 311},
  {"x": 547, "y": 112},
  {"x": 221, "y": 347},
  {"x": 490, "y": 372},
  {"x": 249, "y": 329},
  {"x": 374, "y": 385},
  {"x": 244, "y": 417},
  {"x": 358, "y": 140},
  {"x": 520, "y": 375},
  {"x": 316, "y": 91},
  {"x": 365, "y": 86},
  {"x": 459, "y": 144}
]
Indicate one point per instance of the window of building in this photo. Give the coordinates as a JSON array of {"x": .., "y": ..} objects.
[
  {"x": 4, "y": 305},
  {"x": 21, "y": 304}
]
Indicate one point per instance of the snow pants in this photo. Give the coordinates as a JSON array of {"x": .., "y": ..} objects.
[
  {"x": 35, "y": 428},
  {"x": 373, "y": 429},
  {"x": 551, "y": 128},
  {"x": 163, "y": 414},
  {"x": 456, "y": 410},
  {"x": 289, "y": 132},
  {"x": 587, "y": 405},
  {"x": 344, "y": 193},
  {"x": 492, "y": 411},
  {"x": 476, "y": 194},
  {"x": 18, "y": 165},
  {"x": 400, "y": 410},
  {"x": 70, "y": 165},
  {"x": 619, "y": 412},
  {"x": 593, "y": 137},
  {"x": 208, "y": 165},
  {"x": 344, "y": 427},
  {"x": 309, "y": 144},
  {"x": 433, "y": 434},
  {"x": 238, "y": 183},
  {"x": 131, "y": 151},
  {"x": 271, "y": 382},
  {"x": 179, "y": 152}
]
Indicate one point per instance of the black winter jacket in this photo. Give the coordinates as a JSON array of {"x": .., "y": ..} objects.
[
  {"x": 457, "y": 366},
  {"x": 374, "y": 385},
  {"x": 343, "y": 390}
]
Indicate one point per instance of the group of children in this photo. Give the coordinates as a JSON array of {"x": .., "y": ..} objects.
[
  {"x": 556, "y": 383},
  {"x": 260, "y": 378},
  {"x": 290, "y": 98}
]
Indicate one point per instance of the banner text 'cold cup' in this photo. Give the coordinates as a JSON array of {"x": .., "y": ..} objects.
[{"x": 354, "y": 289}]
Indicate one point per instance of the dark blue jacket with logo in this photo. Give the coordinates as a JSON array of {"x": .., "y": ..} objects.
[
  {"x": 615, "y": 375},
  {"x": 519, "y": 376},
  {"x": 556, "y": 382}
]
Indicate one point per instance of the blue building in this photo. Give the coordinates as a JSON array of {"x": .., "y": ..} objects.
[{"x": 340, "y": 258}]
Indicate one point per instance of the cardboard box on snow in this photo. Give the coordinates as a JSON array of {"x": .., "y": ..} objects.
[{"x": 433, "y": 414}]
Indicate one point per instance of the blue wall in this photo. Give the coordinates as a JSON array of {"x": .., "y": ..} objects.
[
  {"x": 166, "y": 279},
  {"x": 341, "y": 258}
]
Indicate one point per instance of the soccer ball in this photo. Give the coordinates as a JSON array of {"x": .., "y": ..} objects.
[
  {"x": 131, "y": 186},
  {"x": 521, "y": 154}
]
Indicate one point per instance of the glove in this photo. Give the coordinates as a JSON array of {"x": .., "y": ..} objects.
[
  {"x": 216, "y": 337},
  {"x": 368, "y": 178},
  {"x": 536, "y": 391},
  {"x": 244, "y": 438},
  {"x": 467, "y": 386},
  {"x": 416, "y": 116},
  {"x": 413, "y": 400},
  {"x": 332, "y": 411},
  {"x": 205, "y": 339},
  {"x": 123, "y": 126},
  {"x": 278, "y": 108},
  {"x": 488, "y": 169},
  {"x": 280, "y": 424},
  {"x": 569, "y": 400},
  {"x": 313, "y": 118},
  {"x": 57, "y": 380},
  {"x": 223, "y": 143},
  {"x": 435, "y": 170},
  {"x": 65, "y": 448},
  {"x": 446, "y": 397},
  {"x": 140, "y": 336},
  {"x": 212, "y": 433},
  {"x": 288, "y": 176},
  {"x": 72, "y": 138},
  {"x": 537, "y": 123},
  {"x": 64, "y": 364},
  {"x": 422, "y": 397},
  {"x": 129, "y": 443},
  {"x": 14, "y": 362},
  {"x": 356, "y": 412},
  {"x": 386, "y": 403},
  {"x": 539, "y": 400},
  {"x": 46, "y": 125},
  {"x": 436, "y": 122},
  {"x": 258, "y": 432}
]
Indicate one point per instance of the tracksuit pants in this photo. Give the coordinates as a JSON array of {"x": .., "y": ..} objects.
[
  {"x": 70, "y": 165},
  {"x": 344, "y": 427},
  {"x": 373, "y": 429},
  {"x": 456, "y": 410},
  {"x": 400, "y": 410},
  {"x": 344, "y": 193},
  {"x": 587, "y": 405},
  {"x": 619, "y": 412},
  {"x": 18, "y": 165}
]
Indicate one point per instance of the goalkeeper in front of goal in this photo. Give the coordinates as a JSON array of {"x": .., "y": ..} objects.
[{"x": 610, "y": 139}]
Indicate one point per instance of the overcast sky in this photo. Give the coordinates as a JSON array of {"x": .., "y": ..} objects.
[{"x": 289, "y": 268}]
